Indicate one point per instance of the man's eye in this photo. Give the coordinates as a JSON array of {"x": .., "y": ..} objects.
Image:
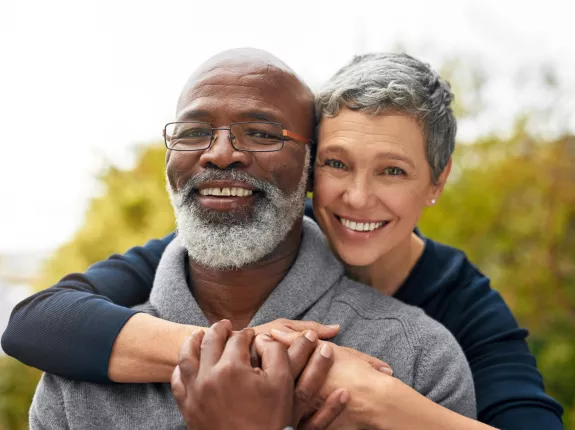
[
  {"x": 394, "y": 171},
  {"x": 262, "y": 135},
  {"x": 336, "y": 164},
  {"x": 195, "y": 132}
]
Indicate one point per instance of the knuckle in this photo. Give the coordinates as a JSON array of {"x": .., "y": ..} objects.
[
  {"x": 225, "y": 370},
  {"x": 177, "y": 393},
  {"x": 302, "y": 397},
  {"x": 185, "y": 365},
  {"x": 238, "y": 336},
  {"x": 208, "y": 386},
  {"x": 207, "y": 341}
]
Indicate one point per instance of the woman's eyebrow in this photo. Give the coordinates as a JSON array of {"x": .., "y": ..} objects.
[
  {"x": 395, "y": 156},
  {"x": 334, "y": 147},
  {"x": 390, "y": 155}
]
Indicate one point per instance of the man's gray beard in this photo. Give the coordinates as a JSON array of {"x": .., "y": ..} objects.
[{"x": 224, "y": 240}]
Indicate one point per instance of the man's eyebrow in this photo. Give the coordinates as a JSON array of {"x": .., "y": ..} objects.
[
  {"x": 194, "y": 115},
  {"x": 258, "y": 116}
]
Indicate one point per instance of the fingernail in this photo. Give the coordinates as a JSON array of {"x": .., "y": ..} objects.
[
  {"x": 264, "y": 336},
  {"x": 310, "y": 335},
  {"x": 332, "y": 326},
  {"x": 326, "y": 350},
  {"x": 386, "y": 370},
  {"x": 344, "y": 397}
]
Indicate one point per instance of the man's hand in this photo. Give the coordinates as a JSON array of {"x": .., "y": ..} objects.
[
  {"x": 216, "y": 387},
  {"x": 310, "y": 365}
]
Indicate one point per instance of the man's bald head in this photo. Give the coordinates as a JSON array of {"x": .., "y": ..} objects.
[{"x": 234, "y": 64}]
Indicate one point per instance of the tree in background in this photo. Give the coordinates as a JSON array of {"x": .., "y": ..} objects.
[
  {"x": 133, "y": 207},
  {"x": 511, "y": 208}
]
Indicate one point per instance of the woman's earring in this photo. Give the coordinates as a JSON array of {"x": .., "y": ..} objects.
[{"x": 433, "y": 202}]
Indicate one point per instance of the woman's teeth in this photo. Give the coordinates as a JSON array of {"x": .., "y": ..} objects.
[
  {"x": 240, "y": 192},
  {"x": 361, "y": 226}
]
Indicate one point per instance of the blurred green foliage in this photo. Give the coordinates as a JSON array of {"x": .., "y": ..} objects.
[{"x": 510, "y": 205}]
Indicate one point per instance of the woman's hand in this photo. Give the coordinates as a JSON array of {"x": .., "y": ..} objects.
[
  {"x": 297, "y": 327},
  {"x": 287, "y": 337},
  {"x": 352, "y": 370}
]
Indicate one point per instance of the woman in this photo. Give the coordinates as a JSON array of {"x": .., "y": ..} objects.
[{"x": 386, "y": 137}]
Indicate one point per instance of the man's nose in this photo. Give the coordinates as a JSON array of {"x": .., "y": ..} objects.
[{"x": 222, "y": 154}]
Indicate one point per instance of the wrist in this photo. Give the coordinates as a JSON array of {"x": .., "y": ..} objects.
[{"x": 369, "y": 401}]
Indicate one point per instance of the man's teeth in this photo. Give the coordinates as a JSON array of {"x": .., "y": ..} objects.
[
  {"x": 240, "y": 192},
  {"x": 361, "y": 226}
]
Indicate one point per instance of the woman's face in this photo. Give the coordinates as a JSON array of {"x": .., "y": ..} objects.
[{"x": 372, "y": 181}]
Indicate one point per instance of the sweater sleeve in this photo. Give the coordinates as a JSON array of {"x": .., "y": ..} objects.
[
  {"x": 442, "y": 372},
  {"x": 69, "y": 329}
]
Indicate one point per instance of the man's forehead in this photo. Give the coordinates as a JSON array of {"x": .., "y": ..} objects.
[{"x": 261, "y": 84}]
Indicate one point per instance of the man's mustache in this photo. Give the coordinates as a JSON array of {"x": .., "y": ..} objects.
[{"x": 189, "y": 191}]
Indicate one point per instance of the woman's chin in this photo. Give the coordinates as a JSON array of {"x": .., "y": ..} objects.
[{"x": 356, "y": 257}]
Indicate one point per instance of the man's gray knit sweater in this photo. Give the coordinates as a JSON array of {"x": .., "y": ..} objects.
[{"x": 422, "y": 353}]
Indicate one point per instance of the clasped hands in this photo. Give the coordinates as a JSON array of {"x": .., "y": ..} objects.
[{"x": 271, "y": 377}]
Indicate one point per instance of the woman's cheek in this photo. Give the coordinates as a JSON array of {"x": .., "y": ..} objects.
[
  {"x": 325, "y": 188},
  {"x": 404, "y": 202}
]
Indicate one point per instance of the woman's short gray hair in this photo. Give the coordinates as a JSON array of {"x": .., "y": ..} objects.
[{"x": 382, "y": 83}]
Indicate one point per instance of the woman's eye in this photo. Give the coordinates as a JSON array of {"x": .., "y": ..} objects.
[
  {"x": 394, "y": 171},
  {"x": 336, "y": 164}
]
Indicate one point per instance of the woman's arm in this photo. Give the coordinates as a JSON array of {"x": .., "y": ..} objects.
[
  {"x": 70, "y": 328},
  {"x": 147, "y": 348},
  {"x": 395, "y": 406},
  {"x": 379, "y": 401}
]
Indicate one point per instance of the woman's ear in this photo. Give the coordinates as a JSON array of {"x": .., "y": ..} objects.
[{"x": 437, "y": 188}]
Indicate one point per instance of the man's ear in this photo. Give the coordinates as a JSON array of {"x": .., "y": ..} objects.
[
  {"x": 309, "y": 188},
  {"x": 313, "y": 152}
]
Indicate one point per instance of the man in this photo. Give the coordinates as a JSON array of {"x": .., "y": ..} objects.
[{"x": 237, "y": 168}]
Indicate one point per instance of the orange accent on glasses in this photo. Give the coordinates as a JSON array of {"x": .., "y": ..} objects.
[{"x": 294, "y": 136}]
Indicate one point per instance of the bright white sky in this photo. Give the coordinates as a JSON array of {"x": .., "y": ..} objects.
[{"x": 82, "y": 82}]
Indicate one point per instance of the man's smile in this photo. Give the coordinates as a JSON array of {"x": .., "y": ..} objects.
[
  {"x": 224, "y": 192},
  {"x": 223, "y": 195}
]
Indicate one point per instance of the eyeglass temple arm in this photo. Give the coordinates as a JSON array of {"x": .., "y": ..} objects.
[{"x": 295, "y": 136}]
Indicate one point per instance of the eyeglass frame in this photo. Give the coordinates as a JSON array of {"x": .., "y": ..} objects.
[{"x": 287, "y": 134}]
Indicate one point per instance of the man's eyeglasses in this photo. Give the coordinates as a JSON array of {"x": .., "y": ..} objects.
[{"x": 244, "y": 136}]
